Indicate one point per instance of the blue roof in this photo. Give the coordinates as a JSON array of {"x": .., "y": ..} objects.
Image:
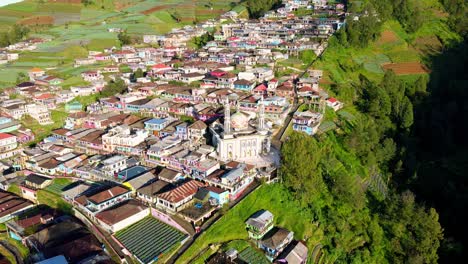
[
  {"x": 156, "y": 121},
  {"x": 60, "y": 259},
  {"x": 132, "y": 172}
]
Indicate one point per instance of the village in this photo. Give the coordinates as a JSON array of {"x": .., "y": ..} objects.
[{"x": 192, "y": 132}]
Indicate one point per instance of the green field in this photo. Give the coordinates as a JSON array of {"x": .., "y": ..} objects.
[
  {"x": 158, "y": 240},
  {"x": 78, "y": 28},
  {"x": 58, "y": 186},
  {"x": 287, "y": 212}
]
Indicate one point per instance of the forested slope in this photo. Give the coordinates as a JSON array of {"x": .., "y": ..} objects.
[{"x": 378, "y": 183}]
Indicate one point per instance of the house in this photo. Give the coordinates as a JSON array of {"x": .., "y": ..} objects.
[
  {"x": 36, "y": 73},
  {"x": 123, "y": 139},
  {"x": 131, "y": 172},
  {"x": 155, "y": 125},
  {"x": 8, "y": 145},
  {"x": 191, "y": 77},
  {"x": 285, "y": 91},
  {"x": 259, "y": 224},
  {"x": 84, "y": 61},
  {"x": 76, "y": 191},
  {"x": 91, "y": 76},
  {"x": 84, "y": 90},
  {"x": 197, "y": 130},
  {"x": 334, "y": 103},
  {"x": 29, "y": 223},
  {"x": 307, "y": 122},
  {"x": 295, "y": 253},
  {"x": 122, "y": 215},
  {"x": 67, "y": 238},
  {"x": 216, "y": 195},
  {"x": 32, "y": 183},
  {"x": 11, "y": 206},
  {"x": 169, "y": 175},
  {"x": 73, "y": 107},
  {"x": 102, "y": 200},
  {"x": 275, "y": 241},
  {"x": 149, "y": 192},
  {"x": 175, "y": 199},
  {"x": 139, "y": 181},
  {"x": 244, "y": 85}
]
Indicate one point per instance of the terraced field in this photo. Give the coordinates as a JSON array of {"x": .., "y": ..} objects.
[{"x": 149, "y": 239}]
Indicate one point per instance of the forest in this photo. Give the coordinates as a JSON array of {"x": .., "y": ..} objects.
[{"x": 410, "y": 135}]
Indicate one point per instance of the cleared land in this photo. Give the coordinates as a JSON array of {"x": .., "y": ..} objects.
[
  {"x": 388, "y": 36},
  {"x": 406, "y": 68},
  {"x": 159, "y": 238}
]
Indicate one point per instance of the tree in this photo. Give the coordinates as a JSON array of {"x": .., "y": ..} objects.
[
  {"x": 22, "y": 77},
  {"x": 124, "y": 38},
  {"x": 114, "y": 87},
  {"x": 138, "y": 73},
  {"x": 413, "y": 231},
  {"x": 307, "y": 56}
]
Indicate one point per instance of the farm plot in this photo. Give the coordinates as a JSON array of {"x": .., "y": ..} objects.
[
  {"x": 149, "y": 239},
  {"x": 388, "y": 36},
  {"x": 250, "y": 255},
  {"x": 406, "y": 68}
]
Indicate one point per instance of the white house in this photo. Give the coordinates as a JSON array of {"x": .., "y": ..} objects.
[
  {"x": 334, "y": 104},
  {"x": 122, "y": 215}
]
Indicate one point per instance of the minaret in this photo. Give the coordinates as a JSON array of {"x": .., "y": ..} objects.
[
  {"x": 261, "y": 116},
  {"x": 227, "y": 118}
]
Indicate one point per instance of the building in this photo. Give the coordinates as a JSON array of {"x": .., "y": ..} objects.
[
  {"x": 32, "y": 183},
  {"x": 237, "y": 140},
  {"x": 259, "y": 224},
  {"x": 123, "y": 138},
  {"x": 334, "y": 104},
  {"x": 148, "y": 193},
  {"x": 175, "y": 199},
  {"x": 307, "y": 122},
  {"x": 275, "y": 241},
  {"x": 11, "y": 206},
  {"x": 102, "y": 200},
  {"x": 8, "y": 145},
  {"x": 122, "y": 215},
  {"x": 295, "y": 253}
]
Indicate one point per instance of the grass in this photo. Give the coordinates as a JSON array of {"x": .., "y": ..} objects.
[
  {"x": 24, "y": 251},
  {"x": 288, "y": 213},
  {"x": 58, "y": 185},
  {"x": 14, "y": 188},
  {"x": 53, "y": 200},
  {"x": 5, "y": 253}
]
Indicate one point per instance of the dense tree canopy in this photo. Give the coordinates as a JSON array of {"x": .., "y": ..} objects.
[{"x": 13, "y": 35}]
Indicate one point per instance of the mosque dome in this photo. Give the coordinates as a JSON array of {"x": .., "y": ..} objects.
[{"x": 239, "y": 121}]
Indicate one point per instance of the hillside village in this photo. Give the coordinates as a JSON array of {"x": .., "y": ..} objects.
[{"x": 190, "y": 132}]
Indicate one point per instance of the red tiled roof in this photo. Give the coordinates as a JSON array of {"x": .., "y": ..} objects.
[
  {"x": 45, "y": 96},
  {"x": 107, "y": 194},
  {"x": 332, "y": 100},
  {"x": 179, "y": 193},
  {"x": 5, "y": 136}
]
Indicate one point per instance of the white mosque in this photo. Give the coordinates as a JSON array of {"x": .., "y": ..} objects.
[{"x": 237, "y": 139}]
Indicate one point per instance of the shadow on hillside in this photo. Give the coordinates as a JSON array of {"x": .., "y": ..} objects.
[{"x": 438, "y": 151}]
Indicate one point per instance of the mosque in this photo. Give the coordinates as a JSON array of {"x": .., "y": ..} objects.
[{"x": 239, "y": 140}]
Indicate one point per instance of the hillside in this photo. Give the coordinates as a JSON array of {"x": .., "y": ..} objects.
[{"x": 76, "y": 27}]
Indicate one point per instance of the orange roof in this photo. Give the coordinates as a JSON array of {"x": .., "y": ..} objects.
[
  {"x": 36, "y": 70},
  {"x": 44, "y": 96}
]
